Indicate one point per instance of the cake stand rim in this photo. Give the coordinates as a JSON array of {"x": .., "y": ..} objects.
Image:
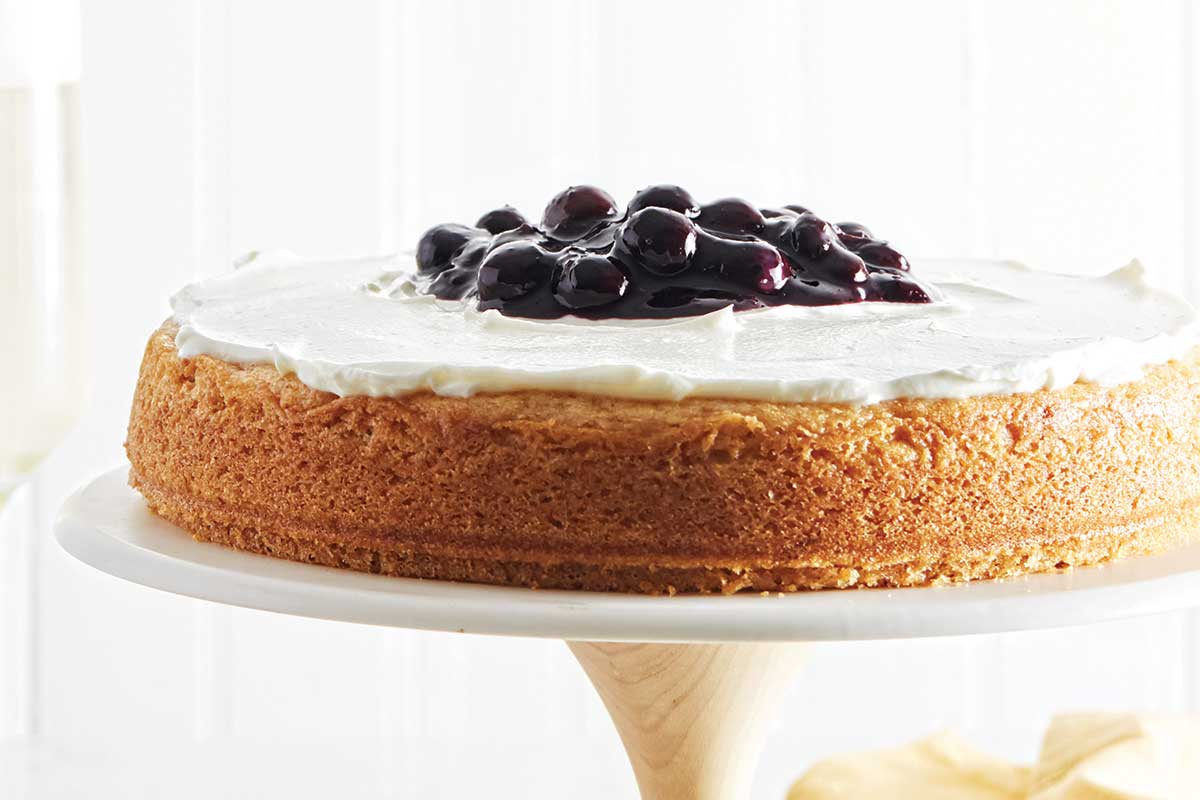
[{"x": 106, "y": 525}]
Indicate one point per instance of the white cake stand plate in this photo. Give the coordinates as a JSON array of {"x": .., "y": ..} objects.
[{"x": 689, "y": 681}]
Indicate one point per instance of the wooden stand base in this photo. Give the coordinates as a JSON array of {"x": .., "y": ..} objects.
[{"x": 693, "y": 717}]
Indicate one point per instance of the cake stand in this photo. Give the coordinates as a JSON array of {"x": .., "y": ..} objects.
[{"x": 689, "y": 681}]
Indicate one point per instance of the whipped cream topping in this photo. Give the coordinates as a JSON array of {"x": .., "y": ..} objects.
[{"x": 361, "y": 327}]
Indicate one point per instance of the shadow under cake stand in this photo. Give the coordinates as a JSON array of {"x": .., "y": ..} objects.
[{"x": 689, "y": 681}]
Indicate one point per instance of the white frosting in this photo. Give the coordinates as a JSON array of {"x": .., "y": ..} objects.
[{"x": 360, "y": 327}]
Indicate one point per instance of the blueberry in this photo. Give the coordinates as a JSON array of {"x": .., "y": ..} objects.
[
  {"x": 440, "y": 244},
  {"x": 600, "y": 240},
  {"x": 695, "y": 300},
  {"x": 522, "y": 232},
  {"x": 453, "y": 284},
  {"x": 663, "y": 195},
  {"x": 754, "y": 265},
  {"x": 808, "y": 292},
  {"x": 747, "y": 302},
  {"x": 661, "y": 240},
  {"x": 586, "y": 280},
  {"x": 895, "y": 288},
  {"x": 577, "y": 211},
  {"x": 811, "y": 236},
  {"x": 853, "y": 232},
  {"x": 881, "y": 254},
  {"x": 843, "y": 266},
  {"x": 472, "y": 254},
  {"x": 731, "y": 215},
  {"x": 778, "y": 231},
  {"x": 513, "y": 271},
  {"x": 500, "y": 220}
]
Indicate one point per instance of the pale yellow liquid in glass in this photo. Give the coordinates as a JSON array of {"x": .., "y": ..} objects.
[{"x": 42, "y": 364}]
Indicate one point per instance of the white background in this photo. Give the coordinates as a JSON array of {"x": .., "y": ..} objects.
[{"x": 1063, "y": 134}]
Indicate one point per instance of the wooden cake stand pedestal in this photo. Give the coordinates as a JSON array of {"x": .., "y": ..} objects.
[
  {"x": 693, "y": 717},
  {"x": 690, "y": 682}
]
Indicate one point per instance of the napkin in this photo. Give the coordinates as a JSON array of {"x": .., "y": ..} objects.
[{"x": 1084, "y": 756}]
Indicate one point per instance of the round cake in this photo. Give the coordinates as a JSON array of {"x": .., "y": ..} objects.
[{"x": 672, "y": 398}]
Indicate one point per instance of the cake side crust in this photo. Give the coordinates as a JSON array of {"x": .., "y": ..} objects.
[
  {"x": 551, "y": 572},
  {"x": 586, "y": 492}
]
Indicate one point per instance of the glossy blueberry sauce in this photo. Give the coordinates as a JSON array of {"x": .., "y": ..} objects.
[{"x": 665, "y": 256}]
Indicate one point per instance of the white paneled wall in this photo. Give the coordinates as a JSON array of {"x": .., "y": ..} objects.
[{"x": 1064, "y": 134}]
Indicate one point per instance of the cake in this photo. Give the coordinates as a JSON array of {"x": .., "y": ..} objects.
[{"x": 672, "y": 398}]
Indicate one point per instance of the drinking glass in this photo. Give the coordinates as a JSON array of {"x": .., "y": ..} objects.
[{"x": 42, "y": 376}]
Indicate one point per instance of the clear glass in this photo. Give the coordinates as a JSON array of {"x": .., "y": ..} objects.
[{"x": 42, "y": 369}]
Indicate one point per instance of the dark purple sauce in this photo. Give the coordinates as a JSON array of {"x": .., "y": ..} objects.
[{"x": 666, "y": 256}]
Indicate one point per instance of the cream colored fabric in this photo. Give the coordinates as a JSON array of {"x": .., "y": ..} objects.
[
  {"x": 1085, "y": 756},
  {"x": 942, "y": 766}
]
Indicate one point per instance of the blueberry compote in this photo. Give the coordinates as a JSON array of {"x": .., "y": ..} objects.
[{"x": 665, "y": 256}]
